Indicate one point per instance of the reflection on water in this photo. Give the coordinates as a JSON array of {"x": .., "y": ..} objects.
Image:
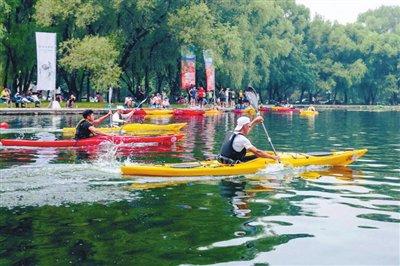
[{"x": 72, "y": 206}]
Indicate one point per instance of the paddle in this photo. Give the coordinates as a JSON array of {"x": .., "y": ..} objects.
[
  {"x": 140, "y": 104},
  {"x": 253, "y": 98},
  {"x": 138, "y": 107},
  {"x": 109, "y": 103}
]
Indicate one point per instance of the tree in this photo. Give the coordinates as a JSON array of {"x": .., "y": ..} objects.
[{"x": 95, "y": 55}]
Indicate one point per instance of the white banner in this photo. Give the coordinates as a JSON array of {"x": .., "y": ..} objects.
[{"x": 46, "y": 61}]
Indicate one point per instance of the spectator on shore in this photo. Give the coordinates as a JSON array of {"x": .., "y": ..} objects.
[
  {"x": 201, "y": 93},
  {"x": 99, "y": 98},
  {"x": 181, "y": 100},
  {"x": 55, "y": 104},
  {"x": 32, "y": 97},
  {"x": 165, "y": 103},
  {"x": 227, "y": 93},
  {"x": 232, "y": 98},
  {"x": 222, "y": 97},
  {"x": 209, "y": 96},
  {"x": 192, "y": 95},
  {"x": 71, "y": 101},
  {"x": 6, "y": 95},
  {"x": 128, "y": 102}
]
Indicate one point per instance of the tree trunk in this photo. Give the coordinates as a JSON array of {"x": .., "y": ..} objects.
[
  {"x": 5, "y": 78},
  {"x": 146, "y": 78},
  {"x": 301, "y": 95},
  {"x": 160, "y": 79},
  {"x": 87, "y": 88}
]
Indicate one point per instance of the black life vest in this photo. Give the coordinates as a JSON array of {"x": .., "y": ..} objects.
[
  {"x": 227, "y": 150},
  {"x": 82, "y": 131}
]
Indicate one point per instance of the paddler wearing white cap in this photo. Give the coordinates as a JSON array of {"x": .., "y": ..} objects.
[
  {"x": 234, "y": 149},
  {"x": 119, "y": 117}
]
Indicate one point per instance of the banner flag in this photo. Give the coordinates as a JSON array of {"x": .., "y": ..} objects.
[
  {"x": 46, "y": 61},
  {"x": 210, "y": 70},
  {"x": 188, "y": 68}
]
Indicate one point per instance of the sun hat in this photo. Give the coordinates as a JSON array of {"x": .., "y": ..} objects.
[
  {"x": 243, "y": 120},
  {"x": 120, "y": 107}
]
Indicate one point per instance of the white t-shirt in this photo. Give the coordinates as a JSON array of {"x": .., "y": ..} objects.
[
  {"x": 115, "y": 117},
  {"x": 241, "y": 142}
]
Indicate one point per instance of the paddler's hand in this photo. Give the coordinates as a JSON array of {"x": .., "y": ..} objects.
[
  {"x": 277, "y": 158},
  {"x": 109, "y": 112},
  {"x": 259, "y": 119}
]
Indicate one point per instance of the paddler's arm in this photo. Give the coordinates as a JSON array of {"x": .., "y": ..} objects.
[
  {"x": 262, "y": 154},
  {"x": 96, "y": 131},
  {"x": 128, "y": 115},
  {"x": 255, "y": 121},
  {"x": 98, "y": 121}
]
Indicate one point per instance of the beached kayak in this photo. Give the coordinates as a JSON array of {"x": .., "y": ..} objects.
[
  {"x": 284, "y": 109},
  {"x": 213, "y": 167},
  {"x": 151, "y": 111},
  {"x": 210, "y": 112},
  {"x": 136, "y": 129},
  {"x": 308, "y": 112},
  {"x": 188, "y": 112},
  {"x": 248, "y": 111},
  {"x": 163, "y": 139}
]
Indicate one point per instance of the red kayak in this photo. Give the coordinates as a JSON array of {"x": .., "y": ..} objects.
[
  {"x": 188, "y": 112},
  {"x": 136, "y": 111},
  {"x": 284, "y": 109},
  {"x": 163, "y": 139}
]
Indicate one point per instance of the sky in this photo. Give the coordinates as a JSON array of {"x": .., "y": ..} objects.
[{"x": 344, "y": 11}]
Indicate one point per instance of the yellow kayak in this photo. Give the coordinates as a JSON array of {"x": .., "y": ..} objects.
[
  {"x": 136, "y": 128},
  {"x": 150, "y": 111},
  {"x": 250, "y": 111},
  {"x": 308, "y": 112},
  {"x": 212, "y": 112},
  {"x": 213, "y": 167}
]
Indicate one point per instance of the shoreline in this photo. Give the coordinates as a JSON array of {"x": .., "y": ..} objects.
[{"x": 63, "y": 111}]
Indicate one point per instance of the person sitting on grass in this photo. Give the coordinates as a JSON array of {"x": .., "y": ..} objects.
[
  {"x": 71, "y": 101},
  {"x": 6, "y": 96},
  {"x": 234, "y": 149},
  {"x": 119, "y": 117},
  {"x": 86, "y": 127}
]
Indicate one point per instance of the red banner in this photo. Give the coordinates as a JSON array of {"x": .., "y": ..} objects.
[
  {"x": 210, "y": 70},
  {"x": 188, "y": 68}
]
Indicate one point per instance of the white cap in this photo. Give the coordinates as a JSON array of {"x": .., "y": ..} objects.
[
  {"x": 120, "y": 107},
  {"x": 243, "y": 120}
]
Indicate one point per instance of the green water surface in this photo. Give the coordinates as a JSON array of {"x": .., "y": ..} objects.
[{"x": 72, "y": 206}]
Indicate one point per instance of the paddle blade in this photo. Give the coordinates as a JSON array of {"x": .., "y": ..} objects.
[{"x": 252, "y": 96}]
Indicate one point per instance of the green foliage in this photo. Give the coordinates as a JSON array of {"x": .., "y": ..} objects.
[
  {"x": 271, "y": 45},
  {"x": 385, "y": 19},
  {"x": 97, "y": 55}
]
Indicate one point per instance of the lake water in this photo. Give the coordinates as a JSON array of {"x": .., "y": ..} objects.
[{"x": 72, "y": 206}]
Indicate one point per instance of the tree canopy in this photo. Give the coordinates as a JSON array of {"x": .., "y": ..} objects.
[{"x": 272, "y": 45}]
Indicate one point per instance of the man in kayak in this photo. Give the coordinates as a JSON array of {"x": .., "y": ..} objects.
[
  {"x": 119, "y": 116},
  {"x": 86, "y": 127},
  {"x": 234, "y": 149}
]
